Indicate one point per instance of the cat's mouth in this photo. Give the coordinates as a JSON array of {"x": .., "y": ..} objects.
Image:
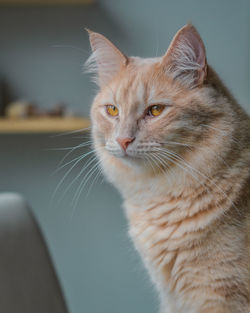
[
  {"x": 140, "y": 151},
  {"x": 127, "y": 154}
]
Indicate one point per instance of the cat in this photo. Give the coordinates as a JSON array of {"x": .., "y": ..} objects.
[{"x": 176, "y": 144}]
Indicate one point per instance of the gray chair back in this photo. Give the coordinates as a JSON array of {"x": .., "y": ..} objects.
[{"x": 28, "y": 283}]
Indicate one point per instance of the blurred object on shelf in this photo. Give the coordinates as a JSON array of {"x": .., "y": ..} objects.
[
  {"x": 6, "y": 96},
  {"x": 23, "y": 109},
  {"x": 25, "y": 117},
  {"x": 17, "y": 109},
  {"x": 58, "y": 110},
  {"x": 32, "y": 110},
  {"x": 14, "y": 108},
  {"x": 20, "y": 109}
]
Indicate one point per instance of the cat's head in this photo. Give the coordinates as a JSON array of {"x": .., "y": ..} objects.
[{"x": 150, "y": 113}]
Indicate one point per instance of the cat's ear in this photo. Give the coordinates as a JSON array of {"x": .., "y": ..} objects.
[
  {"x": 106, "y": 60},
  {"x": 185, "y": 59}
]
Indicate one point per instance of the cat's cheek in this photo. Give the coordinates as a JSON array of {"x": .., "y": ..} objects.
[
  {"x": 101, "y": 123},
  {"x": 98, "y": 140},
  {"x": 107, "y": 163},
  {"x": 114, "y": 170}
]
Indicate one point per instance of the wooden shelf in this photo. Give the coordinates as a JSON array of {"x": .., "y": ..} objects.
[
  {"x": 42, "y": 125},
  {"x": 44, "y": 2}
]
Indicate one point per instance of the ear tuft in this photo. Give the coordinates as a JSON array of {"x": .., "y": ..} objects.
[
  {"x": 105, "y": 61},
  {"x": 185, "y": 59}
]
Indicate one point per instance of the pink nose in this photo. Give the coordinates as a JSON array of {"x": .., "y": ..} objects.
[{"x": 124, "y": 142}]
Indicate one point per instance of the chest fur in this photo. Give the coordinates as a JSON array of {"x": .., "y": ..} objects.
[{"x": 178, "y": 241}]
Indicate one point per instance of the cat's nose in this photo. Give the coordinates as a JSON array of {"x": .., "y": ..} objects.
[{"x": 124, "y": 142}]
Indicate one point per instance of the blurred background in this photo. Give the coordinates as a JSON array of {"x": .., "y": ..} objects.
[{"x": 43, "y": 49}]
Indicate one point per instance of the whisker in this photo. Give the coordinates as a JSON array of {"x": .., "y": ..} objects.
[
  {"x": 157, "y": 157},
  {"x": 184, "y": 168},
  {"x": 77, "y": 176},
  {"x": 99, "y": 173},
  {"x": 71, "y": 148},
  {"x": 223, "y": 133},
  {"x": 202, "y": 175},
  {"x": 88, "y": 175},
  {"x": 89, "y": 143},
  {"x": 67, "y": 173},
  {"x": 164, "y": 163},
  {"x": 150, "y": 162},
  {"x": 176, "y": 143},
  {"x": 71, "y": 132},
  {"x": 71, "y": 161},
  {"x": 173, "y": 160},
  {"x": 197, "y": 146}
]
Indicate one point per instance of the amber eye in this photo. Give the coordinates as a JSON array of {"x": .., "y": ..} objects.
[
  {"x": 155, "y": 110},
  {"x": 112, "y": 110}
]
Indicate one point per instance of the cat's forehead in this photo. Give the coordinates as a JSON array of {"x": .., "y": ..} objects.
[
  {"x": 137, "y": 84},
  {"x": 144, "y": 61}
]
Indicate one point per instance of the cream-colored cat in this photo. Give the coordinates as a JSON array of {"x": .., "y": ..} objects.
[{"x": 176, "y": 144}]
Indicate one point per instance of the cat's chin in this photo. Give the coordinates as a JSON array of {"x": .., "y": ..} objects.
[
  {"x": 139, "y": 164},
  {"x": 128, "y": 159},
  {"x": 126, "y": 156},
  {"x": 131, "y": 160}
]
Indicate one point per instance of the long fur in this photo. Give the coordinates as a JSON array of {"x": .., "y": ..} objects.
[
  {"x": 184, "y": 65},
  {"x": 184, "y": 176}
]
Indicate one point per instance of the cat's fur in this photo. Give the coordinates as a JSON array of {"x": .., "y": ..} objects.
[{"x": 184, "y": 177}]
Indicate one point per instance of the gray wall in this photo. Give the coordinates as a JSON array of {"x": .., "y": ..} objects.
[{"x": 96, "y": 263}]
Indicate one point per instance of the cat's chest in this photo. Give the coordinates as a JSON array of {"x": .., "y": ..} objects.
[
  {"x": 170, "y": 223},
  {"x": 170, "y": 229},
  {"x": 156, "y": 230},
  {"x": 166, "y": 235}
]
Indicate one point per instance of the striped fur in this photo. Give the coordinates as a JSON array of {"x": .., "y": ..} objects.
[{"x": 185, "y": 178}]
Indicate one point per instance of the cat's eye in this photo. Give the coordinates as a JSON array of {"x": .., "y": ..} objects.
[
  {"x": 155, "y": 110},
  {"x": 112, "y": 110}
]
